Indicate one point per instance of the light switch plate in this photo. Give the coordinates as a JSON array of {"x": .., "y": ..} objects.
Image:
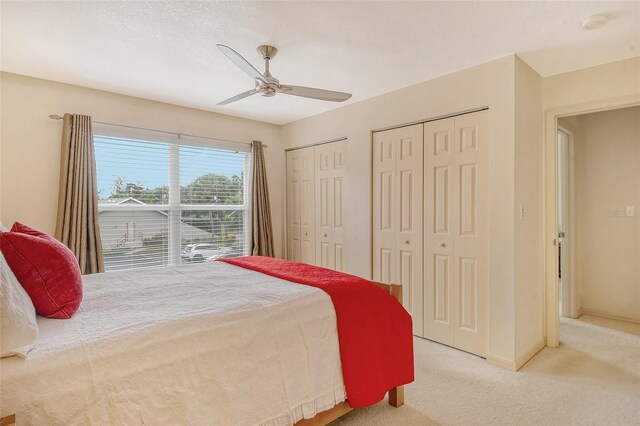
[
  {"x": 523, "y": 212},
  {"x": 630, "y": 211}
]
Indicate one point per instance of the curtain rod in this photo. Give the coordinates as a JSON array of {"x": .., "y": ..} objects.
[{"x": 59, "y": 117}]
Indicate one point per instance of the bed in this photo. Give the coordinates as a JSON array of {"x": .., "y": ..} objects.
[{"x": 181, "y": 345}]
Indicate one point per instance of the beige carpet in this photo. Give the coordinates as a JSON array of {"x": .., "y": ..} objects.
[{"x": 593, "y": 378}]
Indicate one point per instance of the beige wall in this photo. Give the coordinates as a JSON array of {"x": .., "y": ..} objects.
[
  {"x": 491, "y": 85},
  {"x": 529, "y": 261},
  {"x": 607, "y": 178},
  {"x": 609, "y": 81},
  {"x": 30, "y": 141}
]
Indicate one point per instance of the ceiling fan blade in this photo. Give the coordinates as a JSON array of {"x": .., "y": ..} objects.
[
  {"x": 310, "y": 92},
  {"x": 238, "y": 97},
  {"x": 240, "y": 62}
]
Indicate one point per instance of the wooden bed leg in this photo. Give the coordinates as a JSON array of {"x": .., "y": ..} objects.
[
  {"x": 396, "y": 396},
  {"x": 8, "y": 421}
]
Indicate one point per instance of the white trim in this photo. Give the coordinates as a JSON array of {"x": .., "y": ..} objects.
[
  {"x": 600, "y": 314},
  {"x": 552, "y": 318},
  {"x": 501, "y": 362},
  {"x": 530, "y": 353},
  {"x": 520, "y": 361}
]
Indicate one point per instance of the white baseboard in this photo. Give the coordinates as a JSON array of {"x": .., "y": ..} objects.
[
  {"x": 530, "y": 353},
  {"x": 501, "y": 362},
  {"x": 520, "y": 361},
  {"x": 596, "y": 313}
]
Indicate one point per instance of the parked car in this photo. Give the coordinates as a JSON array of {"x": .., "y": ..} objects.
[
  {"x": 201, "y": 251},
  {"x": 229, "y": 253}
]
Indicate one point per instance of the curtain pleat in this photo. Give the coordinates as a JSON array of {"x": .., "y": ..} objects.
[
  {"x": 77, "y": 222},
  {"x": 261, "y": 229}
]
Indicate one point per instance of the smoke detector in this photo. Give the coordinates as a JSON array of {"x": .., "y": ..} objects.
[{"x": 593, "y": 22}]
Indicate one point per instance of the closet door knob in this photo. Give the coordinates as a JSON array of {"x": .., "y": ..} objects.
[
  {"x": 407, "y": 242},
  {"x": 325, "y": 235},
  {"x": 443, "y": 245},
  {"x": 306, "y": 233}
]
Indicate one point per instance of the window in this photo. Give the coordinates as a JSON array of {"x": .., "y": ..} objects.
[{"x": 168, "y": 202}]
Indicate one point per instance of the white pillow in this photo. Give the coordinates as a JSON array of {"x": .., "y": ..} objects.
[
  {"x": 3, "y": 228},
  {"x": 18, "y": 326}
]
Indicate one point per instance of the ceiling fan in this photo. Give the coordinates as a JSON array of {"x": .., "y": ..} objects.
[{"x": 267, "y": 85}]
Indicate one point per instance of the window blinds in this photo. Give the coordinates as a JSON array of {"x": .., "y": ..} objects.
[{"x": 166, "y": 203}]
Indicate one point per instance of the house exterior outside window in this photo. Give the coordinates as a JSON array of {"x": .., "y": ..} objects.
[{"x": 169, "y": 202}]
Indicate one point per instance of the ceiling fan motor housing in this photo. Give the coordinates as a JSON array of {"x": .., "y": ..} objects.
[
  {"x": 267, "y": 91},
  {"x": 269, "y": 86}
]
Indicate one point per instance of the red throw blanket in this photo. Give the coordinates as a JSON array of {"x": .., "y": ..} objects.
[{"x": 374, "y": 330}]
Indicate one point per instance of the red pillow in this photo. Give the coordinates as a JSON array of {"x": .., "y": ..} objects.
[{"x": 46, "y": 268}]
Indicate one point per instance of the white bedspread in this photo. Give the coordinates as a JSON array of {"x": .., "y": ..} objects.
[{"x": 208, "y": 344}]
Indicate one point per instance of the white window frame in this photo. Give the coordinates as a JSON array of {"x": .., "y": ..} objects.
[{"x": 174, "y": 208}]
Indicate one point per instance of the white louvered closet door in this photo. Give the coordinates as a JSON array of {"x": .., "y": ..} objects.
[
  {"x": 300, "y": 205},
  {"x": 456, "y": 250},
  {"x": 330, "y": 169},
  {"x": 397, "y": 214}
]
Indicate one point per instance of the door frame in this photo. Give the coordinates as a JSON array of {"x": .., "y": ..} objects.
[{"x": 552, "y": 314}]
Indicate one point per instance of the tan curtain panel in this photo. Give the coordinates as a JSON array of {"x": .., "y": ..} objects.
[
  {"x": 77, "y": 223},
  {"x": 261, "y": 229}
]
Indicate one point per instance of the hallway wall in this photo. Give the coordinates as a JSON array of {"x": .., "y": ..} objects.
[{"x": 607, "y": 176}]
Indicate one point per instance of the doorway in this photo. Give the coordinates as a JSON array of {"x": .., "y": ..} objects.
[{"x": 562, "y": 283}]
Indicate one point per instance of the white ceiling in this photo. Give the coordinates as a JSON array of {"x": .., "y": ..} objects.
[{"x": 166, "y": 50}]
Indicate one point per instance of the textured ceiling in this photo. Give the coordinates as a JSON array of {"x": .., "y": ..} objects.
[{"x": 166, "y": 50}]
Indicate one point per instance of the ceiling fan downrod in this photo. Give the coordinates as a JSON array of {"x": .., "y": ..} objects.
[{"x": 272, "y": 84}]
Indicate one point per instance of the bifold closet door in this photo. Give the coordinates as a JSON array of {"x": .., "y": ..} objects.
[
  {"x": 438, "y": 231},
  {"x": 300, "y": 205},
  {"x": 330, "y": 169},
  {"x": 456, "y": 226},
  {"x": 397, "y": 214}
]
